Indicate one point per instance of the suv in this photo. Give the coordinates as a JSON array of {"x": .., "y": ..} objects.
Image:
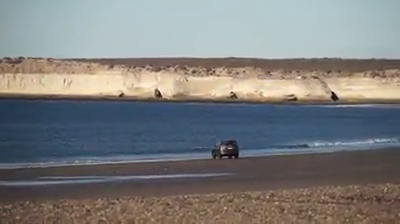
[{"x": 227, "y": 148}]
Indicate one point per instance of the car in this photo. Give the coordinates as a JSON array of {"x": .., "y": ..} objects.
[{"x": 228, "y": 148}]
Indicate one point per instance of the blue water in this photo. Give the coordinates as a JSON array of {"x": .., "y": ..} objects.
[{"x": 51, "y": 132}]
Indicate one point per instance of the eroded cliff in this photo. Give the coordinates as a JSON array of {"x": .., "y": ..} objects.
[{"x": 71, "y": 78}]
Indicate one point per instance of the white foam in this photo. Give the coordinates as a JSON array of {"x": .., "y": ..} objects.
[
  {"x": 313, "y": 147},
  {"x": 355, "y": 142},
  {"x": 122, "y": 159},
  {"x": 62, "y": 180},
  {"x": 394, "y": 106},
  {"x": 297, "y": 151}
]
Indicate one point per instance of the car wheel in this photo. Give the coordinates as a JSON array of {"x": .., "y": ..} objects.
[
  {"x": 236, "y": 156},
  {"x": 230, "y": 157}
]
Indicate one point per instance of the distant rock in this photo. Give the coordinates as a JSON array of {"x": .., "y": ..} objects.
[
  {"x": 290, "y": 97},
  {"x": 232, "y": 95},
  {"x": 334, "y": 97},
  {"x": 157, "y": 93},
  {"x": 121, "y": 94}
]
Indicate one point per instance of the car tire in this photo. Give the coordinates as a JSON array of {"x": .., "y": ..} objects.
[
  {"x": 236, "y": 156},
  {"x": 230, "y": 157}
]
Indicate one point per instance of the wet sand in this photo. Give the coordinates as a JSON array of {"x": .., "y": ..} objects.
[{"x": 247, "y": 174}]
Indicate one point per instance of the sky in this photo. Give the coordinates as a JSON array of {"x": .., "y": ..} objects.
[{"x": 206, "y": 28}]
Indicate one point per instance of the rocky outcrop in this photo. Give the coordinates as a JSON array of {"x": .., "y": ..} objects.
[
  {"x": 326, "y": 88},
  {"x": 232, "y": 95},
  {"x": 39, "y": 77},
  {"x": 157, "y": 94},
  {"x": 290, "y": 97}
]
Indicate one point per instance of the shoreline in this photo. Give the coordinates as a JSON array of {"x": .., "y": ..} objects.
[
  {"x": 247, "y": 174},
  {"x": 113, "y": 98},
  {"x": 186, "y": 157},
  {"x": 352, "y": 185}
]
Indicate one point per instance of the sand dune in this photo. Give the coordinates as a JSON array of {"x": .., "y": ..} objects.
[{"x": 48, "y": 77}]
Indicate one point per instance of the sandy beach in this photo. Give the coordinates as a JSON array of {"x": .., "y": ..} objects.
[{"x": 340, "y": 187}]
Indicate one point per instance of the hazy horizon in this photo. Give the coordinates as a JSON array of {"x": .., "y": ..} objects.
[{"x": 265, "y": 29}]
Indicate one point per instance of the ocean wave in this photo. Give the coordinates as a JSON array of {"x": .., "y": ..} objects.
[
  {"x": 322, "y": 144},
  {"x": 202, "y": 153},
  {"x": 355, "y": 142},
  {"x": 356, "y": 105},
  {"x": 104, "y": 160},
  {"x": 290, "y": 146}
]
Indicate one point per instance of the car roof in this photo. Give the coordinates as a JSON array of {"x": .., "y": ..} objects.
[{"x": 228, "y": 142}]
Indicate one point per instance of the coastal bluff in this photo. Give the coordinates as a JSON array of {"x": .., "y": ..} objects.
[{"x": 198, "y": 79}]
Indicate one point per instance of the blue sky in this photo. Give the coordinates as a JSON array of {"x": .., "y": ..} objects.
[{"x": 206, "y": 28}]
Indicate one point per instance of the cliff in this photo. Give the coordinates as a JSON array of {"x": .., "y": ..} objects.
[{"x": 335, "y": 81}]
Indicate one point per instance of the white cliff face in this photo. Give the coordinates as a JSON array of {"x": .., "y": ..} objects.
[
  {"x": 175, "y": 86},
  {"x": 366, "y": 88},
  {"x": 58, "y": 84}
]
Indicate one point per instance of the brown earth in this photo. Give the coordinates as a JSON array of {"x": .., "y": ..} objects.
[
  {"x": 235, "y": 67},
  {"x": 316, "y": 64}
]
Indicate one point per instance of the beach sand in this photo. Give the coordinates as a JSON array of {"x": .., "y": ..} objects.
[{"x": 340, "y": 187}]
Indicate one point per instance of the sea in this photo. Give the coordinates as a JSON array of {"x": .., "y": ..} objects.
[{"x": 45, "y": 133}]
